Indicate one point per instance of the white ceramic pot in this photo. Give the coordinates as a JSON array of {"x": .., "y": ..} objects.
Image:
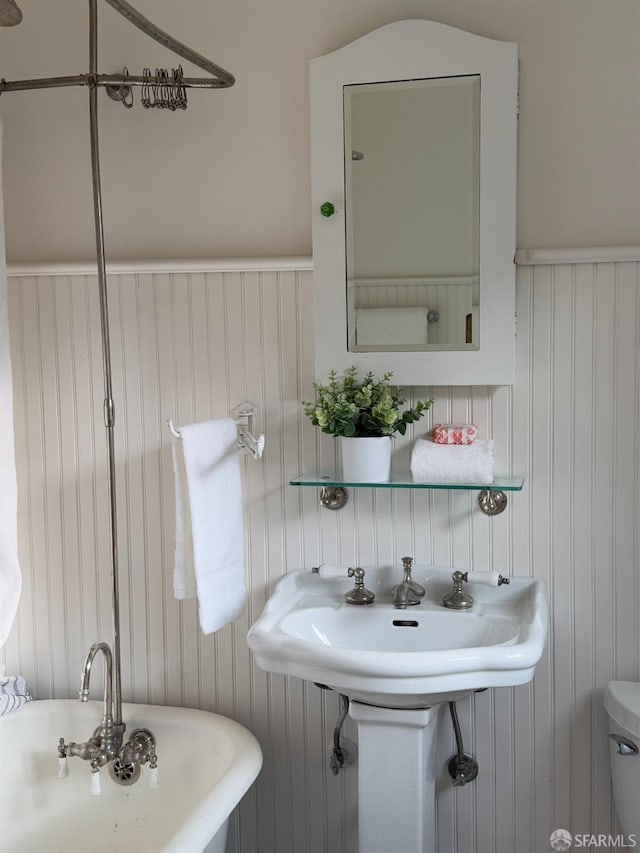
[{"x": 366, "y": 460}]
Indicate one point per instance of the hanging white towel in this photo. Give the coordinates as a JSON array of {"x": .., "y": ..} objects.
[
  {"x": 209, "y": 557},
  {"x": 10, "y": 578},
  {"x": 450, "y": 463}
]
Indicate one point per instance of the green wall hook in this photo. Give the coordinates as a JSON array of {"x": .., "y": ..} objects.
[{"x": 327, "y": 209}]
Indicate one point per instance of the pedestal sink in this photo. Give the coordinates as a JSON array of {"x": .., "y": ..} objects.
[{"x": 397, "y": 667}]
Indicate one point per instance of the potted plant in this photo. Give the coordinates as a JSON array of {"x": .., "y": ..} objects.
[{"x": 364, "y": 413}]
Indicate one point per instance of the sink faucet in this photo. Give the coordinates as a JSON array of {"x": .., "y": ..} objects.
[{"x": 407, "y": 592}]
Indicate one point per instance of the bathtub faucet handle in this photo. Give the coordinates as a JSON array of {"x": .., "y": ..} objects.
[
  {"x": 63, "y": 764},
  {"x": 96, "y": 787},
  {"x": 154, "y": 781}
]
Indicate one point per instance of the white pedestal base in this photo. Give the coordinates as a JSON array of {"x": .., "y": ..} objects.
[{"x": 396, "y": 778}]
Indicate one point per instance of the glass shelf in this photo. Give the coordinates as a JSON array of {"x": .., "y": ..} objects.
[{"x": 402, "y": 480}]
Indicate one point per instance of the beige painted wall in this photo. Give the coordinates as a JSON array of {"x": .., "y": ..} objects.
[{"x": 230, "y": 177}]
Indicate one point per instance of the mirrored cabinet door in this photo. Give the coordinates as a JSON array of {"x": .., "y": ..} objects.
[{"x": 413, "y": 150}]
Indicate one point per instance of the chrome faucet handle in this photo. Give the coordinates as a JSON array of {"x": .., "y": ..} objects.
[
  {"x": 359, "y": 594},
  {"x": 458, "y": 599}
]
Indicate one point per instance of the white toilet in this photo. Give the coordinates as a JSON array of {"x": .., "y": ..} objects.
[{"x": 622, "y": 703}]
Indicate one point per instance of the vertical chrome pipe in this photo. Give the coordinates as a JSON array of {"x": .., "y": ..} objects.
[{"x": 109, "y": 408}]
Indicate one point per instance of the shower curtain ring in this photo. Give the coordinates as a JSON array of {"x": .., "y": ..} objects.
[
  {"x": 126, "y": 91},
  {"x": 163, "y": 76},
  {"x": 144, "y": 93},
  {"x": 155, "y": 95}
]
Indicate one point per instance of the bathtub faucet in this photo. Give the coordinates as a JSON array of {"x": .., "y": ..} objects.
[
  {"x": 111, "y": 717},
  {"x": 106, "y": 744},
  {"x": 110, "y": 734}
]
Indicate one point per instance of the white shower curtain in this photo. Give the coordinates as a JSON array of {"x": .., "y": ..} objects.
[{"x": 10, "y": 579}]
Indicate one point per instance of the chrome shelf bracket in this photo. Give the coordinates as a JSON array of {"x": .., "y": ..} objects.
[
  {"x": 492, "y": 501},
  {"x": 333, "y": 497}
]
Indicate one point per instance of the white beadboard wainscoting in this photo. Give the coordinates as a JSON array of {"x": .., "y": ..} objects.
[{"x": 190, "y": 341}]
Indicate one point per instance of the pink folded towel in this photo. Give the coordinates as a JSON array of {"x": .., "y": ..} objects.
[{"x": 454, "y": 433}]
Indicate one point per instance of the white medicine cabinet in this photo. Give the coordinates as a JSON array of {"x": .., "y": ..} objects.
[{"x": 413, "y": 165}]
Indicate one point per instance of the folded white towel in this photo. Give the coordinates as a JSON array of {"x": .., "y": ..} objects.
[
  {"x": 13, "y": 694},
  {"x": 448, "y": 463},
  {"x": 209, "y": 557}
]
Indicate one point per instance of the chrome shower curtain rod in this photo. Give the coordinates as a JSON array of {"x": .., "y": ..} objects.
[
  {"x": 117, "y": 88},
  {"x": 219, "y": 79}
]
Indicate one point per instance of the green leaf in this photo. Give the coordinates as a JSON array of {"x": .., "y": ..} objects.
[{"x": 367, "y": 406}]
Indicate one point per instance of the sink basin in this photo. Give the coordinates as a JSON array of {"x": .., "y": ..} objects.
[{"x": 394, "y": 658}]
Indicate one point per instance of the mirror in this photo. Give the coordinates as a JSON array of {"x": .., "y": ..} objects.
[
  {"x": 413, "y": 157},
  {"x": 412, "y": 207}
]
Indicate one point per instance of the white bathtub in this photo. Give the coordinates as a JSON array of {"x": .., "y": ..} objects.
[{"x": 205, "y": 762}]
